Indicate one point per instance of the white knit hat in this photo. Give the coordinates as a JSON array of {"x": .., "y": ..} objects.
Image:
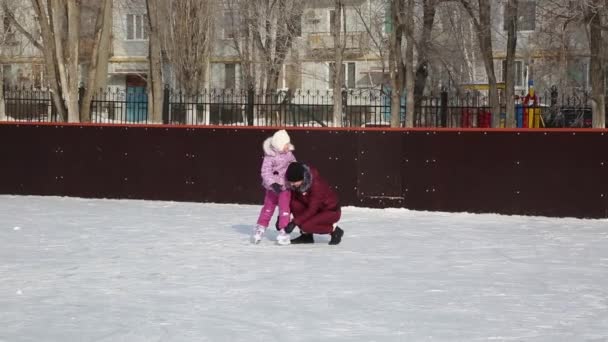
[{"x": 279, "y": 139}]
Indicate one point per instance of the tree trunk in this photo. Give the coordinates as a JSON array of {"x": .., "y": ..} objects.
[
  {"x": 272, "y": 80},
  {"x": 207, "y": 86},
  {"x": 484, "y": 33},
  {"x": 597, "y": 71},
  {"x": 44, "y": 19},
  {"x": 101, "y": 78},
  {"x": 98, "y": 56},
  {"x": 57, "y": 17},
  {"x": 338, "y": 60},
  {"x": 155, "y": 81},
  {"x": 73, "y": 77},
  {"x": 563, "y": 59},
  {"x": 511, "y": 17},
  {"x": 245, "y": 43},
  {"x": 395, "y": 64},
  {"x": 186, "y": 38},
  {"x": 483, "y": 27},
  {"x": 2, "y": 103},
  {"x": 409, "y": 65},
  {"x": 64, "y": 20},
  {"x": 422, "y": 71}
]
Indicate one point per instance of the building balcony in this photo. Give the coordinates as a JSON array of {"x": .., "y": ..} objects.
[{"x": 358, "y": 41}]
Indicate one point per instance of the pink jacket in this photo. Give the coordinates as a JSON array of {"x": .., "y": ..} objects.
[{"x": 275, "y": 165}]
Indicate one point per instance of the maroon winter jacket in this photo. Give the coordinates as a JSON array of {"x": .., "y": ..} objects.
[{"x": 315, "y": 195}]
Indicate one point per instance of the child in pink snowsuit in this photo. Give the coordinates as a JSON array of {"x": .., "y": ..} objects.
[{"x": 277, "y": 157}]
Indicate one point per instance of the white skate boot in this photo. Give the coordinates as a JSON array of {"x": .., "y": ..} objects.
[
  {"x": 283, "y": 238},
  {"x": 258, "y": 234}
]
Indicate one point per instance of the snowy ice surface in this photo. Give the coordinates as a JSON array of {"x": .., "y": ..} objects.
[{"x": 108, "y": 270}]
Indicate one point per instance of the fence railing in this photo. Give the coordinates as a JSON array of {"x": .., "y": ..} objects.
[{"x": 310, "y": 108}]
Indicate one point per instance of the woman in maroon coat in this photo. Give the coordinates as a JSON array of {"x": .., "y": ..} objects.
[{"x": 314, "y": 205}]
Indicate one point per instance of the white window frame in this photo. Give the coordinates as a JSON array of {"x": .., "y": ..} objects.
[
  {"x": 503, "y": 77},
  {"x": 7, "y": 73},
  {"x": 284, "y": 78},
  {"x": 233, "y": 25},
  {"x": 235, "y": 80},
  {"x": 346, "y": 76},
  {"x": 143, "y": 30},
  {"x": 40, "y": 75}
]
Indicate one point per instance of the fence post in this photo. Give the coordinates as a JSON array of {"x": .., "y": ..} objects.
[
  {"x": 344, "y": 106},
  {"x": 166, "y": 104},
  {"x": 554, "y": 96},
  {"x": 3, "y": 116},
  {"x": 444, "y": 108},
  {"x": 250, "y": 106},
  {"x": 80, "y": 94}
]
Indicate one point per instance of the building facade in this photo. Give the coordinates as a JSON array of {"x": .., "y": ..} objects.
[{"x": 546, "y": 54}]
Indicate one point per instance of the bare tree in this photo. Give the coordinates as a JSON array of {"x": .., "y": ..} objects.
[
  {"x": 13, "y": 14},
  {"x": 339, "y": 39},
  {"x": 189, "y": 42},
  {"x": 590, "y": 16},
  {"x": 409, "y": 64},
  {"x": 455, "y": 46},
  {"x": 262, "y": 33},
  {"x": 375, "y": 23},
  {"x": 424, "y": 47},
  {"x": 98, "y": 60},
  {"x": 511, "y": 17},
  {"x": 481, "y": 17},
  {"x": 594, "y": 16},
  {"x": 155, "y": 79},
  {"x": 240, "y": 20},
  {"x": 406, "y": 37},
  {"x": 2, "y": 101},
  {"x": 396, "y": 69},
  {"x": 274, "y": 32},
  {"x": 58, "y": 23},
  {"x": 3, "y": 40}
]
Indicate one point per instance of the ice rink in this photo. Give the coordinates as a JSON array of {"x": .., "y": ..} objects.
[{"x": 109, "y": 270}]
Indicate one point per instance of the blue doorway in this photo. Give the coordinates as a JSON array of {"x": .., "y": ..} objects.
[{"x": 137, "y": 99}]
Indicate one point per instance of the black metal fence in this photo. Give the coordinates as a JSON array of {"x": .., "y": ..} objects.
[
  {"x": 22, "y": 104},
  {"x": 360, "y": 108}
]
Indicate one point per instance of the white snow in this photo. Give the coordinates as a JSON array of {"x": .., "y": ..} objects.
[{"x": 107, "y": 270}]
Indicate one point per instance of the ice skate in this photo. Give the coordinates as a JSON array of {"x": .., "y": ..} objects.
[
  {"x": 258, "y": 234},
  {"x": 283, "y": 238}
]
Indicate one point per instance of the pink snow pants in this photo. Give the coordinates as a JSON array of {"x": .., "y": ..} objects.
[{"x": 271, "y": 200}]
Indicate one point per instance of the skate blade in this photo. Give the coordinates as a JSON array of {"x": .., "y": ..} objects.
[{"x": 284, "y": 242}]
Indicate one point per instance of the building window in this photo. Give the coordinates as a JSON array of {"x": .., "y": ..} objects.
[
  {"x": 7, "y": 73},
  {"x": 137, "y": 27},
  {"x": 388, "y": 19},
  {"x": 291, "y": 76},
  {"x": 526, "y": 16},
  {"x": 348, "y": 75},
  {"x": 229, "y": 76},
  {"x": 519, "y": 73},
  {"x": 232, "y": 25},
  {"x": 351, "y": 80},
  {"x": 578, "y": 73},
  {"x": 38, "y": 75}
]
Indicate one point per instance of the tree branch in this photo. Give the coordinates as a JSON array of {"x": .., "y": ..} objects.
[{"x": 11, "y": 16}]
